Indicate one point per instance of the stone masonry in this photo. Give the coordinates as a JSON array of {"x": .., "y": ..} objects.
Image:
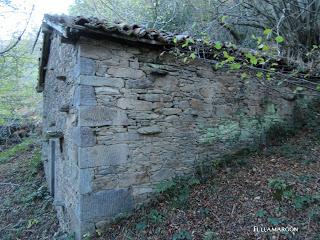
[{"x": 120, "y": 118}]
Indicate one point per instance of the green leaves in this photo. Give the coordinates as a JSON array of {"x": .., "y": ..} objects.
[
  {"x": 182, "y": 235},
  {"x": 235, "y": 66},
  {"x": 267, "y": 31},
  {"x": 274, "y": 221},
  {"x": 193, "y": 56},
  {"x": 279, "y": 39},
  {"x": 261, "y": 213},
  {"x": 223, "y": 18},
  {"x": 253, "y": 60},
  {"x": 187, "y": 42},
  {"x": 218, "y": 45},
  {"x": 229, "y": 59},
  {"x": 259, "y": 74}
]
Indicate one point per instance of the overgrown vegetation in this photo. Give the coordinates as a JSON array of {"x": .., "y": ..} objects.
[
  {"x": 16, "y": 150},
  {"x": 26, "y": 209},
  {"x": 284, "y": 35}
]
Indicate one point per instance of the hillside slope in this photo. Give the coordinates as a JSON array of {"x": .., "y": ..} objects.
[{"x": 278, "y": 187}]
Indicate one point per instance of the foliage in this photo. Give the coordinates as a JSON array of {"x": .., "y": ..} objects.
[
  {"x": 290, "y": 24},
  {"x": 209, "y": 235},
  {"x": 18, "y": 70},
  {"x": 11, "y": 152},
  {"x": 177, "y": 190},
  {"x": 280, "y": 189},
  {"x": 182, "y": 235},
  {"x": 156, "y": 217}
]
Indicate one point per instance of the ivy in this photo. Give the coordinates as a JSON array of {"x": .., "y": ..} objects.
[
  {"x": 279, "y": 39},
  {"x": 267, "y": 31},
  {"x": 218, "y": 45}
]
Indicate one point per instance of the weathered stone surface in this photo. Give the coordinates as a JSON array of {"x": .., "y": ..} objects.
[
  {"x": 169, "y": 83},
  {"x": 85, "y": 96},
  {"x": 126, "y": 103},
  {"x": 136, "y": 178},
  {"x": 134, "y": 63},
  {"x": 162, "y": 174},
  {"x": 101, "y": 116},
  {"x": 196, "y": 104},
  {"x": 84, "y": 136},
  {"x": 149, "y": 130},
  {"x": 85, "y": 179},
  {"x": 126, "y": 73},
  {"x": 87, "y": 66},
  {"x": 104, "y": 182},
  {"x": 107, "y": 91},
  {"x": 101, "y": 225},
  {"x": 97, "y": 52},
  {"x": 100, "y": 81},
  {"x": 156, "y": 97},
  {"x": 101, "y": 155},
  {"x": 145, "y": 116},
  {"x": 104, "y": 204},
  {"x": 136, "y": 84},
  {"x": 170, "y": 111},
  {"x": 137, "y": 191}
]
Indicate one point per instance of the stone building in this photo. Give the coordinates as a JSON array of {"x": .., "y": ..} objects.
[{"x": 120, "y": 116}]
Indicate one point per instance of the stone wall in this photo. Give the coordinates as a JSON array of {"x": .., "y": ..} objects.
[
  {"x": 59, "y": 152},
  {"x": 145, "y": 118}
]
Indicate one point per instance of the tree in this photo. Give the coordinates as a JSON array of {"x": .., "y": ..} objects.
[
  {"x": 18, "y": 73},
  {"x": 6, "y": 4}
]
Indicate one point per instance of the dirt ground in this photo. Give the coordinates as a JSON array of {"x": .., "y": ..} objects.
[{"x": 26, "y": 210}]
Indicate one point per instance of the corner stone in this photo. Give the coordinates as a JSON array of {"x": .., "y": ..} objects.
[
  {"x": 101, "y": 116},
  {"x": 105, "y": 204},
  {"x": 102, "y": 155}
]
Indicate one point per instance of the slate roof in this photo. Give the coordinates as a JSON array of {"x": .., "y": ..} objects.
[{"x": 69, "y": 26}]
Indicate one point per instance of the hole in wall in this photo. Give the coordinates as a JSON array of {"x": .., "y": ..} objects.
[{"x": 61, "y": 143}]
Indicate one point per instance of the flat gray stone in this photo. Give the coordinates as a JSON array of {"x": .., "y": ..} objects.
[
  {"x": 149, "y": 130},
  {"x": 127, "y": 103},
  {"x": 102, "y": 155},
  {"x": 83, "y": 137},
  {"x": 85, "y": 96},
  {"x": 101, "y": 116},
  {"x": 126, "y": 72},
  {"x": 85, "y": 178},
  {"x": 139, "y": 84},
  {"x": 105, "y": 204},
  {"x": 95, "y": 52},
  {"x": 107, "y": 91},
  {"x": 171, "y": 111},
  {"x": 87, "y": 66},
  {"x": 100, "y": 81}
]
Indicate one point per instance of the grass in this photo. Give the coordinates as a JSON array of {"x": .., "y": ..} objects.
[{"x": 13, "y": 151}]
